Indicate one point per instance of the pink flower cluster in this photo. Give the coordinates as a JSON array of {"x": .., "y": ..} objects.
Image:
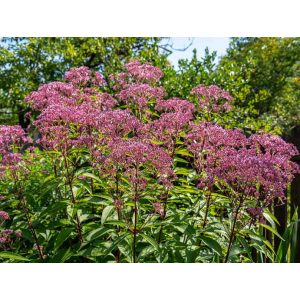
[
  {"x": 83, "y": 75},
  {"x": 8, "y": 236},
  {"x": 246, "y": 165},
  {"x": 176, "y": 115},
  {"x": 11, "y": 139},
  {"x": 135, "y": 159},
  {"x": 143, "y": 72},
  {"x": 117, "y": 124},
  {"x": 175, "y": 105},
  {"x": 53, "y": 93},
  {"x": 118, "y": 204},
  {"x": 143, "y": 137},
  {"x": 166, "y": 129},
  {"x": 135, "y": 86},
  {"x": 212, "y": 98},
  {"x": 139, "y": 94},
  {"x": 207, "y": 142},
  {"x": 256, "y": 213},
  {"x": 158, "y": 208},
  {"x": 3, "y": 215},
  {"x": 11, "y": 136},
  {"x": 70, "y": 110}
]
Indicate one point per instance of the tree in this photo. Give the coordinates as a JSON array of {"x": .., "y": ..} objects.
[
  {"x": 190, "y": 73},
  {"x": 263, "y": 76}
]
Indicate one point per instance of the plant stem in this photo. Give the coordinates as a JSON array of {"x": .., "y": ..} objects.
[
  {"x": 32, "y": 230},
  {"x": 163, "y": 217},
  {"x": 78, "y": 225},
  {"x": 206, "y": 213},
  {"x": 206, "y": 209},
  {"x": 135, "y": 216},
  {"x": 134, "y": 231},
  {"x": 232, "y": 233},
  {"x": 56, "y": 176},
  {"x": 26, "y": 212},
  {"x": 118, "y": 252}
]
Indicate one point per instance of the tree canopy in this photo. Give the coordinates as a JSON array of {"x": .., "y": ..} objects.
[{"x": 263, "y": 76}]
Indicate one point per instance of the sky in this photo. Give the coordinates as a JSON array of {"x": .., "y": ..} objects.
[{"x": 219, "y": 44}]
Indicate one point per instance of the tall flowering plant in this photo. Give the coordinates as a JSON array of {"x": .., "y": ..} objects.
[{"x": 116, "y": 171}]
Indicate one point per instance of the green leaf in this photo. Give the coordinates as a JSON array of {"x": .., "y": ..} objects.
[
  {"x": 115, "y": 243},
  {"x": 61, "y": 256},
  {"x": 191, "y": 254},
  {"x": 178, "y": 159},
  {"x": 117, "y": 223},
  {"x": 106, "y": 197},
  {"x": 245, "y": 245},
  {"x": 12, "y": 256},
  {"x": 213, "y": 244},
  {"x": 182, "y": 171},
  {"x": 281, "y": 255},
  {"x": 294, "y": 243},
  {"x": 271, "y": 229},
  {"x": 268, "y": 244},
  {"x": 53, "y": 209},
  {"x": 183, "y": 152},
  {"x": 96, "y": 233},
  {"x": 62, "y": 236},
  {"x": 151, "y": 241},
  {"x": 90, "y": 175},
  {"x": 106, "y": 212},
  {"x": 271, "y": 218},
  {"x": 235, "y": 250}
]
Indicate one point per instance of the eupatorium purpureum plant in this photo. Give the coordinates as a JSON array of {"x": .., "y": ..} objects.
[{"x": 118, "y": 172}]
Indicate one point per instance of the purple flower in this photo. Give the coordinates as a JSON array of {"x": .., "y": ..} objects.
[
  {"x": 118, "y": 204},
  {"x": 117, "y": 124},
  {"x": 139, "y": 94},
  {"x": 258, "y": 167},
  {"x": 135, "y": 158},
  {"x": 3, "y": 240},
  {"x": 175, "y": 105},
  {"x": 4, "y": 215},
  {"x": 18, "y": 233},
  {"x": 256, "y": 213},
  {"x": 78, "y": 76},
  {"x": 166, "y": 129},
  {"x": 212, "y": 98},
  {"x": 158, "y": 208},
  {"x": 7, "y": 231},
  {"x": 143, "y": 72}
]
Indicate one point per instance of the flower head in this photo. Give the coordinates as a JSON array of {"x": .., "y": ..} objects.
[
  {"x": 212, "y": 98},
  {"x": 135, "y": 159},
  {"x": 175, "y": 105},
  {"x": 139, "y": 94},
  {"x": 4, "y": 215},
  {"x": 158, "y": 208},
  {"x": 7, "y": 232},
  {"x": 143, "y": 72}
]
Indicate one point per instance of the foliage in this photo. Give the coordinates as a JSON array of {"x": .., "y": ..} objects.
[
  {"x": 114, "y": 169},
  {"x": 263, "y": 76}
]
